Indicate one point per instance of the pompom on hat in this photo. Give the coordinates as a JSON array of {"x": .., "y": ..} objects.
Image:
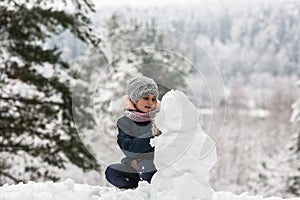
[{"x": 141, "y": 86}]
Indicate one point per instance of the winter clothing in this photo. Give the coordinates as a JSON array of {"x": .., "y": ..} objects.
[
  {"x": 128, "y": 105},
  {"x": 137, "y": 116},
  {"x": 135, "y": 131},
  {"x": 124, "y": 176},
  {"x": 141, "y": 86},
  {"x": 133, "y": 140},
  {"x": 130, "y": 113}
]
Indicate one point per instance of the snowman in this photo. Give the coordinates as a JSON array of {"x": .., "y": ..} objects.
[{"x": 184, "y": 154}]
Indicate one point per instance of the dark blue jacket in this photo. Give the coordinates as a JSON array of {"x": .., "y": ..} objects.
[{"x": 134, "y": 139}]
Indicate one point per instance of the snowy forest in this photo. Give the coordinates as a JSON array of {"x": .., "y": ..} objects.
[{"x": 64, "y": 66}]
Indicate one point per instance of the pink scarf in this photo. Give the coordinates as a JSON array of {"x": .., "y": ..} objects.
[
  {"x": 131, "y": 113},
  {"x": 137, "y": 116}
]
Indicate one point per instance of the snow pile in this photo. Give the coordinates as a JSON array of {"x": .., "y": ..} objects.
[
  {"x": 184, "y": 154},
  {"x": 68, "y": 190},
  {"x": 244, "y": 196}
]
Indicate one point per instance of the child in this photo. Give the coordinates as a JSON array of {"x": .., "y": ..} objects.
[{"x": 135, "y": 131}]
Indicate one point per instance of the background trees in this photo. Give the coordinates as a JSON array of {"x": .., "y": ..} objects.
[
  {"x": 293, "y": 183},
  {"x": 255, "y": 46},
  {"x": 37, "y": 130}
]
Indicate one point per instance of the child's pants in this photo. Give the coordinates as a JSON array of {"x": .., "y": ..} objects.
[{"x": 125, "y": 176}]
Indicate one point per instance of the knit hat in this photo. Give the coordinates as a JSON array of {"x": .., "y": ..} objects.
[{"x": 141, "y": 86}]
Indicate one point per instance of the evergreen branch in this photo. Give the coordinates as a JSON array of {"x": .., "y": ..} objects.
[
  {"x": 16, "y": 180},
  {"x": 32, "y": 101}
]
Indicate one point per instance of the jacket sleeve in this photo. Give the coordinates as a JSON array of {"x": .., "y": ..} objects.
[{"x": 131, "y": 145}]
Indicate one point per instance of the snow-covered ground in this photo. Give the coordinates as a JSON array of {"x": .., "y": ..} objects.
[{"x": 68, "y": 190}]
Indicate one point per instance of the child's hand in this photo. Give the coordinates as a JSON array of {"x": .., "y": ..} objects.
[
  {"x": 134, "y": 164},
  {"x": 155, "y": 130}
]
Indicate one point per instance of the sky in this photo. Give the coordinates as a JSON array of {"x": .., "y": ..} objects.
[{"x": 141, "y": 3}]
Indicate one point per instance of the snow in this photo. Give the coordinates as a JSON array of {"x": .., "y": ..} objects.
[
  {"x": 295, "y": 117},
  {"x": 184, "y": 155},
  {"x": 46, "y": 70},
  {"x": 68, "y": 190},
  {"x": 181, "y": 156}
]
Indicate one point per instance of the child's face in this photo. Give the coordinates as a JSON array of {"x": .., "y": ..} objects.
[{"x": 146, "y": 103}]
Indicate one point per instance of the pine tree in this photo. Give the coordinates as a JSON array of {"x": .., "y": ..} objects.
[
  {"x": 37, "y": 131},
  {"x": 293, "y": 183}
]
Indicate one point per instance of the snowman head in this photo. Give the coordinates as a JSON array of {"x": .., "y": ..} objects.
[{"x": 177, "y": 113}]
